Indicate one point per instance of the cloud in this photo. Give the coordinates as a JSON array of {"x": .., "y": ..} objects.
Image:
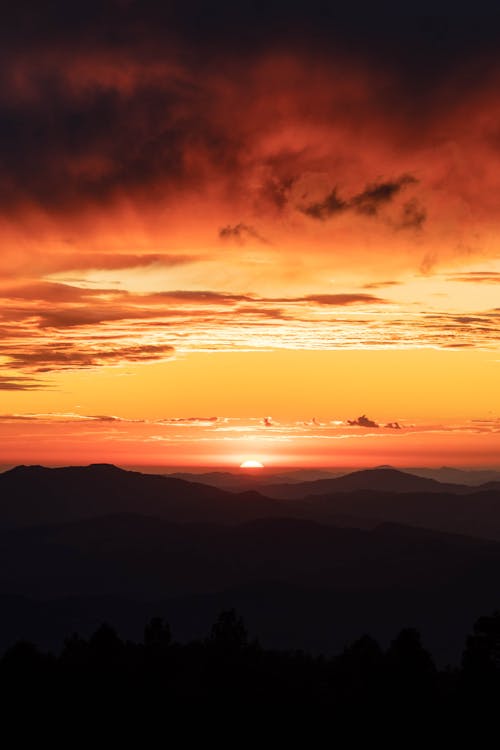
[
  {"x": 368, "y": 202},
  {"x": 476, "y": 277},
  {"x": 199, "y": 296},
  {"x": 240, "y": 233},
  {"x": 379, "y": 193},
  {"x": 129, "y": 131},
  {"x": 393, "y": 426},
  {"x": 380, "y": 284},
  {"x": 51, "y": 292},
  {"x": 20, "y": 383},
  {"x": 46, "y": 328},
  {"x": 190, "y": 421},
  {"x": 113, "y": 261},
  {"x": 61, "y": 417},
  {"x": 49, "y": 358},
  {"x": 276, "y": 191},
  {"x": 343, "y": 299},
  {"x": 268, "y": 422},
  {"x": 413, "y": 216},
  {"x": 326, "y": 208},
  {"x": 362, "y": 421}
]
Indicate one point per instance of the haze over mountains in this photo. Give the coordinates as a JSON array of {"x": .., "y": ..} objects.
[
  {"x": 316, "y": 564},
  {"x": 240, "y": 481}
]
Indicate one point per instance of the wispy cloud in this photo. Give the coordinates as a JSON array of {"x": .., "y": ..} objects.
[
  {"x": 49, "y": 326},
  {"x": 20, "y": 383},
  {"x": 476, "y": 277}
]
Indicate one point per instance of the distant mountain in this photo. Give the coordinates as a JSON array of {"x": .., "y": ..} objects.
[
  {"x": 476, "y": 513},
  {"x": 224, "y": 480},
  {"x": 473, "y": 477},
  {"x": 97, "y": 542},
  {"x": 36, "y": 495},
  {"x": 137, "y": 556},
  {"x": 241, "y": 481},
  {"x": 298, "y": 583},
  {"x": 33, "y": 495},
  {"x": 381, "y": 479}
]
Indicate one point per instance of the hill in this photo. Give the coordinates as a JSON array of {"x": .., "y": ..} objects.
[
  {"x": 38, "y": 495},
  {"x": 382, "y": 479},
  {"x": 298, "y": 583}
]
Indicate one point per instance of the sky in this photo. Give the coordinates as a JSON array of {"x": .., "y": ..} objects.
[{"x": 260, "y": 231}]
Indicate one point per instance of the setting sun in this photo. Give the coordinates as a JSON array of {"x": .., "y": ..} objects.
[{"x": 251, "y": 465}]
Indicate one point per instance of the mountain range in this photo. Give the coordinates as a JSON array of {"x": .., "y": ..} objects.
[{"x": 377, "y": 550}]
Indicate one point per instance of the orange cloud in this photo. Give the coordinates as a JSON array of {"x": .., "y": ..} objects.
[{"x": 243, "y": 187}]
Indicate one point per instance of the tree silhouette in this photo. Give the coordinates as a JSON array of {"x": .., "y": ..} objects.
[
  {"x": 106, "y": 650},
  {"x": 358, "y": 668},
  {"x": 229, "y": 632},
  {"x": 157, "y": 634},
  {"x": 481, "y": 658},
  {"x": 75, "y": 651},
  {"x": 410, "y": 670}
]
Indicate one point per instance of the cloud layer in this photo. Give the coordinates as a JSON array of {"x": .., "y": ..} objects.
[
  {"x": 177, "y": 178},
  {"x": 49, "y": 326}
]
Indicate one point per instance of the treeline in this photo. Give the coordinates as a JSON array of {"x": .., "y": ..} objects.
[{"x": 229, "y": 669}]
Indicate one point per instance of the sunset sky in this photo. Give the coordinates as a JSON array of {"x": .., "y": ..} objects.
[{"x": 234, "y": 231}]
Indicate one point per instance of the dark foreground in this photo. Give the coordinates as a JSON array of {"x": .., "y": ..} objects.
[{"x": 228, "y": 677}]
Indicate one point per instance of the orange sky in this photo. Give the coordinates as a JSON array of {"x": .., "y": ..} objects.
[{"x": 204, "y": 265}]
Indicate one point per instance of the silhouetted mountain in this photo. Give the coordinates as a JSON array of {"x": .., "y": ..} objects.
[
  {"x": 240, "y": 481},
  {"x": 224, "y": 480},
  {"x": 299, "y": 584},
  {"x": 476, "y": 513},
  {"x": 472, "y": 477},
  {"x": 381, "y": 479},
  {"x": 489, "y": 487},
  {"x": 142, "y": 557},
  {"x": 262, "y": 480},
  {"x": 36, "y": 495}
]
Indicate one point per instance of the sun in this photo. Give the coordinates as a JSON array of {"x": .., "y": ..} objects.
[{"x": 251, "y": 465}]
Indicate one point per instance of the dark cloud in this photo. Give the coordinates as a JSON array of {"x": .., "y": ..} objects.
[
  {"x": 89, "y": 315},
  {"x": 74, "y": 144},
  {"x": 51, "y": 292},
  {"x": 362, "y": 421},
  {"x": 393, "y": 426},
  {"x": 368, "y": 202},
  {"x": 413, "y": 216},
  {"x": 326, "y": 208},
  {"x": 20, "y": 383},
  {"x": 342, "y": 299},
  {"x": 486, "y": 277},
  {"x": 379, "y": 193},
  {"x": 427, "y": 35},
  {"x": 125, "y": 101},
  {"x": 63, "y": 307},
  {"x": 48, "y": 358},
  {"x": 267, "y": 422},
  {"x": 276, "y": 191},
  {"x": 115, "y": 261},
  {"x": 240, "y": 233},
  {"x": 380, "y": 284}
]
